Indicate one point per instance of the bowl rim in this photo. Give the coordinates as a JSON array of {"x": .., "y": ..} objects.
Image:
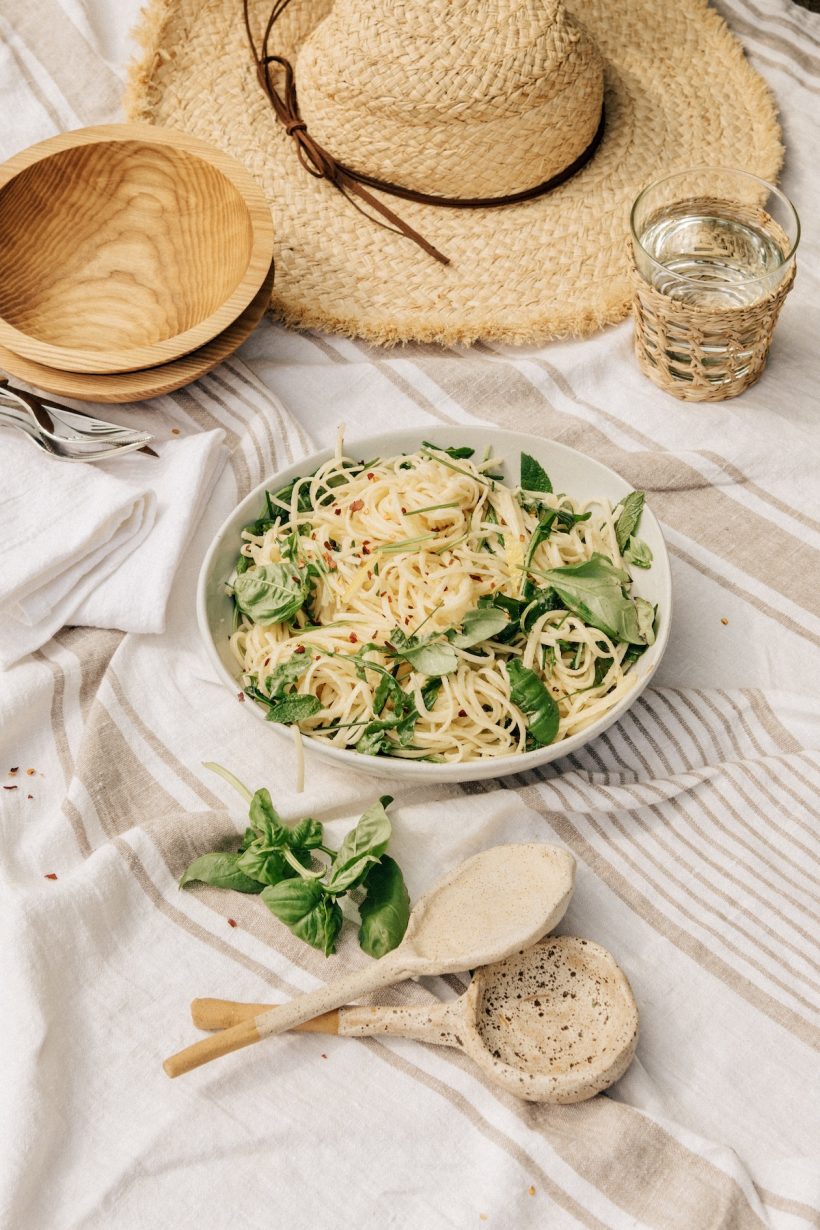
[
  {"x": 133, "y": 358},
  {"x": 471, "y": 770}
]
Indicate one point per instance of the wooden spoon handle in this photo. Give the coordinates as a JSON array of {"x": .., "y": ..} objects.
[
  {"x": 223, "y": 1013},
  {"x": 287, "y": 1016}
]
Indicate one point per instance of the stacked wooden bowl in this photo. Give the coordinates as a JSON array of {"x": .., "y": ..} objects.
[{"x": 133, "y": 259}]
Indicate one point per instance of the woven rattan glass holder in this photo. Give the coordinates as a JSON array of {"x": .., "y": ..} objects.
[{"x": 713, "y": 260}]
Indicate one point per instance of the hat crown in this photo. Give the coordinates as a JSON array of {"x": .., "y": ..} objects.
[{"x": 458, "y": 98}]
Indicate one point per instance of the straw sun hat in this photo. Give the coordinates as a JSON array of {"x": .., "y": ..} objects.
[{"x": 573, "y": 106}]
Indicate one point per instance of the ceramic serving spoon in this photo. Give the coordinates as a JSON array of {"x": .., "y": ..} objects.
[
  {"x": 554, "y": 1023},
  {"x": 494, "y": 904}
]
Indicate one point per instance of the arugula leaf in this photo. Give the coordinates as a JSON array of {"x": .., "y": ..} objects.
[
  {"x": 429, "y": 692},
  {"x": 594, "y": 592},
  {"x": 533, "y": 475},
  {"x": 542, "y": 601},
  {"x": 542, "y": 530},
  {"x": 602, "y": 669},
  {"x": 630, "y": 515},
  {"x": 479, "y": 625},
  {"x": 270, "y": 593},
  {"x": 293, "y": 708},
  {"x": 456, "y": 453},
  {"x": 243, "y": 563},
  {"x": 362, "y": 847},
  {"x": 638, "y": 553},
  {"x": 529, "y": 693},
  {"x": 221, "y": 870},
  {"x": 287, "y": 673},
  {"x": 385, "y": 910},
  {"x": 431, "y": 657},
  {"x": 303, "y": 906}
]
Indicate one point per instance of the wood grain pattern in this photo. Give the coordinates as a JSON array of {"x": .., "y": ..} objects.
[
  {"x": 126, "y": 246},
  {"x": 123, "y": 387}
]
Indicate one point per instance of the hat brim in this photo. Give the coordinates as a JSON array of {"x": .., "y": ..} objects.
[{"x": 679, "y": 93}]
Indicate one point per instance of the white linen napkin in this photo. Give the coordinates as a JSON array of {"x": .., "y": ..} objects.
[{"x": 95, "y": 544}]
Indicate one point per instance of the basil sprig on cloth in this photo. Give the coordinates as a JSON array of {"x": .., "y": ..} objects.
[{"x": 279, "y": 862}]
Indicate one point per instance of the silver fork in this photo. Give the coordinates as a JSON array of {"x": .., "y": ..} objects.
[{"x": 67, "y": 434}]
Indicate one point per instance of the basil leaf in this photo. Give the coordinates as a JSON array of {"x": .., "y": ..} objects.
[
  {"x": 270, "y": 593},
  {"x": 430, "y": 657},
  {"x": 638, "y": 553},
  {"x": 265, "y": 819},
  {"x": 243, "y": 563},
  {"x": 306, "y": 835},
  {"x": 594, "y": 592},
  {"x": 292, "y": 709},
  {"x": 385, "y": 910},
  {"x": 646, "y": 612},
  {"x": 269, "y": 866},
  {"x": 303, "y": 907},
  {"x": 221, "y": 870},
  {"x": 479, "y": 625},
  {"x": 456, "y": 453},
  {"x": 287, "y": 673},
  {"x": 528, "y": 692},
  {"x": 630, "y": 515},
  {"x": 362, "y": 847},
  {"x": 533, "y": 475}
]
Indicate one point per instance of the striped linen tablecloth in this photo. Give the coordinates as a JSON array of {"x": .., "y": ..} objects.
[{"x": 693, "y": 821}]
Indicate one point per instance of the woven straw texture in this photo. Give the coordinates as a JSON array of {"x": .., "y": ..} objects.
[
  {"x": 675, "y": 344},
  {"x": 678, "y": 92}
]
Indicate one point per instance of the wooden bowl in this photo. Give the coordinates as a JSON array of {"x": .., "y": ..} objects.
[
  {"x": 124, "y": 387},
  {"x": 125, "y": 246}
]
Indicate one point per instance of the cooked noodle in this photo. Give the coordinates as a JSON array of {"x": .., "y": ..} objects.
[{"x": 414, "y": 541}]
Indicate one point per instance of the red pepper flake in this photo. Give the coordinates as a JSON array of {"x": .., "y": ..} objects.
[
  {"x": 356, "y": 505},
  {"x": 29, "y": 796},
  {"x": 370, "y": 475},
  {"x": 521, "y": 537},
  {"x": 474, "y": 576},
  {"x": 324, "y": 1056},
  {"x": 299, "y": 649},
  {"x": 240, "y": 696},
  {"x": 337, "y": 512},
  {"x": 175, "y": 431},
  {"x": 462, "y": 713},
  {"x": 30, "y": 772},
  {"x": 724, "y": 621},
  {"x": 9, "y": 787},
  {"x": 14, "y": 770},
  {"x": 353, "y": 638},
  {"x": 370, "y": 578},
  {"x": 331, "y": 566},
  {"x": 231, "y": 922},
  {"x": 50, "y": 875},
  {"x": 404, "y": 512},
  {"x": 366, "y": 547}
]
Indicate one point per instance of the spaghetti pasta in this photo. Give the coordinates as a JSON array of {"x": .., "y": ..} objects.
[{"x": 380, "y": 604}]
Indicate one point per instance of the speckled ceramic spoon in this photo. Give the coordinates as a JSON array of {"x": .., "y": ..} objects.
[
  {"x": 496, "y": 903},
  {"x": 554, "y": 1023}
]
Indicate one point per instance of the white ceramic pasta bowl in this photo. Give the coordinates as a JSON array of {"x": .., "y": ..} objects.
[{"x": 571, "y": 472}]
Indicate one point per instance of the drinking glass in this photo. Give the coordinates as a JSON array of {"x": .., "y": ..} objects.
[{"x": 713, "y": 259}]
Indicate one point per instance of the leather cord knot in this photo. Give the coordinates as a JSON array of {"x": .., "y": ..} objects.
[{"x": 354, "y": 184}]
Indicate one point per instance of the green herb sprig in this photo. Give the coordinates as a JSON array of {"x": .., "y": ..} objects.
[{"x": 276, "y": 861}]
